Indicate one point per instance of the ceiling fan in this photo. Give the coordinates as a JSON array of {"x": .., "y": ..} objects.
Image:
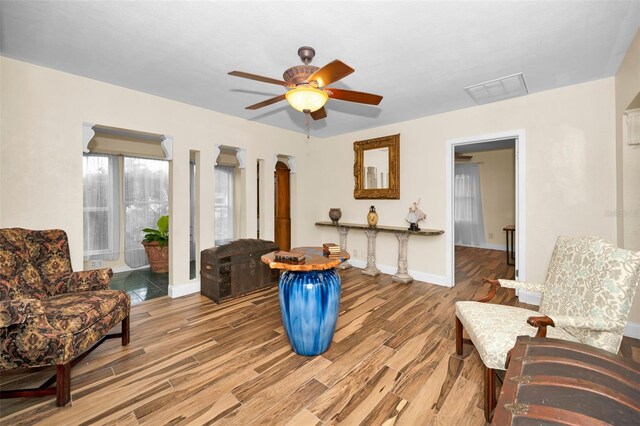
[{"x": 306, "y": 84}]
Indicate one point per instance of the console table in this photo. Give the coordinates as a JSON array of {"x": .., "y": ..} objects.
[
  {"x": 511, "y": 247},
  {"x": 402, "y": 234}
]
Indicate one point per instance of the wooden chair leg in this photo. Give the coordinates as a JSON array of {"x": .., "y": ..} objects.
[
  {"x": 489, "y": 393},
  {"x": 126, "y": 337},
  {"x": 63, "y": 384},
  {"x": 459, "y": 330}
]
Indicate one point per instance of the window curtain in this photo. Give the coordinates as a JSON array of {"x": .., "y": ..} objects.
[
  {"x": 223, "y": 208},
  {"x": 101, "y": 207},
  {"x": 146, "y": 198},
  {"x": 469, "y": 221}
]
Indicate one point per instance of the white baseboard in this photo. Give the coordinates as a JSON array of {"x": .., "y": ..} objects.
[
  {"x": 632, "y": 329},
  {"x": 530, "y": 297},
  {"x": 357, "y": 263},
  {"x": 184, "y": 289},
  {"x": 429, "y": 278},
  {"x": 489, "y": 246},
  {"x": 391, "y": 270}
]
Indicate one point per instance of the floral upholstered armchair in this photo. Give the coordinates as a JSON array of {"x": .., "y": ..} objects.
[
  {"x": 50, "y": 315},
  {"x": 586, "y": 298}
]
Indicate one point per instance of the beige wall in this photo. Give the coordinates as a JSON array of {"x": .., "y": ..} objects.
[
  {"x": 570, "y": 164},
  {"x": 570, "y": 167},
  {"x": 41, "y": 165},
  {"x": 627, "y": 87},
  {"x": 498, "y": 189}
]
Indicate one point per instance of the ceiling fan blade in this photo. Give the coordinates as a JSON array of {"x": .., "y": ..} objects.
[
  {"x": 319, "y": 114},
  {"x": 352, "y": 96},
  {"x": 330, "y": 73},
  {"x": 258, "y": 78},
  {"x": 267, "y": 102}
]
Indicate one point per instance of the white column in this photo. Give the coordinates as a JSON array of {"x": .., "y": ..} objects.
[
  {"x": 402, "y": 275},
  {"x": 343, "y": 231},
  {"x": 371, "y": 268}
]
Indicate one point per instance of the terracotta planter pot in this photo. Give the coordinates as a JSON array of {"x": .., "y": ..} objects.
[{"x": 158, "y": 256}]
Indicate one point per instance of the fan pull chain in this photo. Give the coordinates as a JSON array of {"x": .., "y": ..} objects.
[{"x": 307, "y": 114}]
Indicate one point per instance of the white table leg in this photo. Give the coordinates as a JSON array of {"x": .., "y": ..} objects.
[
  {"x": 402, "y": 275},
  {"x": 371, "y": 269},
  {"x": 343, "y": 231}
]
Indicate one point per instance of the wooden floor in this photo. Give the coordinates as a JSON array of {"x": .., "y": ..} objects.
[{"x": 191, "y": 361}]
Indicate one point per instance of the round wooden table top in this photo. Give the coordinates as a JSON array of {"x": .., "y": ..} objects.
[{"x": 314, "y": 260}]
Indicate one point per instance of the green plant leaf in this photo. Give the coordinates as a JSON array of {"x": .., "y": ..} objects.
[
  {"x": 163, "y": 224},
  {"x": 161, "y": 235}
]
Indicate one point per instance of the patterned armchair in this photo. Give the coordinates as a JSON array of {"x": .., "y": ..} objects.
[
  {"x": 50, "y": 315},
  {"x": 586, "y": 298}
]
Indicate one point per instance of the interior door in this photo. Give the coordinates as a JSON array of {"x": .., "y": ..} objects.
[{"x": 282, "y": 206}]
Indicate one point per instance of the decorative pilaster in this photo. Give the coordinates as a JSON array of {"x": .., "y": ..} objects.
[
  {"x": 216, "y": 154},
  {"x": 87, "y": 134},
  {"x": 241, "y": 155},
  {"x": 343, "y": 231},
  {"x": 402, "y": 275},
  {"x": 167, "y": 147},
  {"x": 371, "y": 268},
  {"x": 292, "y": 165}
]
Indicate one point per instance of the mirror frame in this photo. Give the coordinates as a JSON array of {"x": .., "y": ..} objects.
[{"x": 393, "y": 191}]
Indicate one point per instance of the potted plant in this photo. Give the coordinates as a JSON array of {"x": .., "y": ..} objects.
[{"x": 155, "y": 243}]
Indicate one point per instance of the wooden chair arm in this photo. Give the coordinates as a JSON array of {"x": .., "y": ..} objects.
[
  {"x": 542, "y": 323},
  {"x": 495, "y": 284}
]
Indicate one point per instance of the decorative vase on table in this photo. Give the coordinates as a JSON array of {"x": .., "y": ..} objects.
[
  {"x": 309, "y": 303},
  {"x": 372, "y": 217},
  {"x": 335, "y": 214}
]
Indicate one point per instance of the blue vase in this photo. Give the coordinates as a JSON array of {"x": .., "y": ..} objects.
[{"x": 309, "y": 303}]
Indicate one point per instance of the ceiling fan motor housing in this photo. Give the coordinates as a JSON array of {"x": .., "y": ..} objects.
[{"x": 299, "y": 74}]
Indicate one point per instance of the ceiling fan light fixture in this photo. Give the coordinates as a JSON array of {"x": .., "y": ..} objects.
[{"x": 306, "y": 98}]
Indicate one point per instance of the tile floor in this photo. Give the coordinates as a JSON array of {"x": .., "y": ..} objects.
[{"x": 141, "y": 284}]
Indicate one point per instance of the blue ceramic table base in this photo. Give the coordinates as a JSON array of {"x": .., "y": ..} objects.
[{"x": 309, "y": 303}]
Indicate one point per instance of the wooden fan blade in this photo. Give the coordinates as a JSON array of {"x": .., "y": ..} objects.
[
  {"x": 258, "y": 78},
  {"x": 319, "y": 114},
  {"x": 352, "y": 96},
  {"x": 267, "y": 102},
  {"x": 330, "y": 73}
]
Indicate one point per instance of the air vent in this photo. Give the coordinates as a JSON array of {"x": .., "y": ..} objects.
[{"x": 498, "y": 89}]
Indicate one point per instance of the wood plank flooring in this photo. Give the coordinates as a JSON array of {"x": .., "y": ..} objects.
[{"x": 191, "y": 361}]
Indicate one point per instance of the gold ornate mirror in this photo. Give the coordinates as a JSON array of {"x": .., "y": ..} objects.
[{"x": 376, "y": 168}]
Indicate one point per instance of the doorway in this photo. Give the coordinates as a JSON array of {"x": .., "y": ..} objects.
[
  {"x": 282, "y": 206},
  {"x": 485, "y": 207}
]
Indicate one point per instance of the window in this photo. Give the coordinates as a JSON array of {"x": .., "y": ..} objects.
[
  {"x": 469, "y": 220},
  {"x": 223, "y": 204},
  {"x": 146, "y": 198},
  {"x": 143, "y": 184},
  {"x": 101, "y": 208}
]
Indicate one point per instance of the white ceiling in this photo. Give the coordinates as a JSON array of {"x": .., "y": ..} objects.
[{"x": 418, "y": 55}]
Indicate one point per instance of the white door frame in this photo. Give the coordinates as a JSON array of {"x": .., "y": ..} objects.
[{"x": 519, "y": 136}]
